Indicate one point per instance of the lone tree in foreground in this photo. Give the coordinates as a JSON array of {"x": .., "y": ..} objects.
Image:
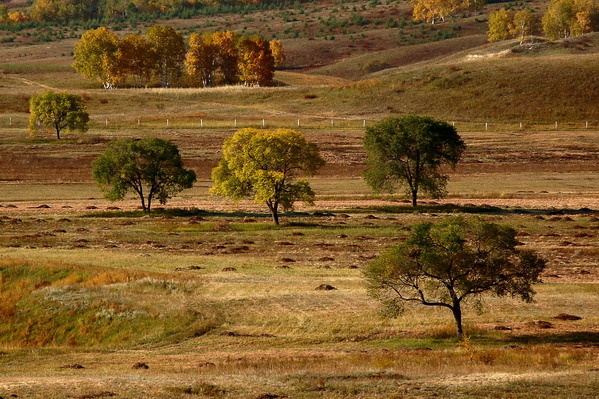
[
  {"x": 264, "y": 164},
  {"x": 410, "y": 151},
  {"x": 446, "y": 263},
  {"x": 57, "y": 111},
  {"x": 152, "y": 167}
]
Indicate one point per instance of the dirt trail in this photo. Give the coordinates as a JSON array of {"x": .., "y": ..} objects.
[{"x": 32, "y": 83}]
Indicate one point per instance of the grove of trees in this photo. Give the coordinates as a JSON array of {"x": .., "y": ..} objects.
[
  {"x": 504, "y": 24},
  {"x": 151, "y": 167},
  {"x": 435, "y": 10},
  {"x": 446, "y": 263},
  {"x": 264, "y": 165},
  {"x": 409, "y": 152},
  {"x": 57, "y": 111},
  {"x": 213, "y": 58}
]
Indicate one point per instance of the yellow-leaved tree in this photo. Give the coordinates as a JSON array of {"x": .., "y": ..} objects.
[
  {"x": 277, "y": 52},
  {"x": 256, "y": 63},
  {"x": 169, "y": 47},
  {"x": 524, "y": 24},
  {"x": 565, "y": 18},
  {"x": 435, "y": 10},
  {"x": 264, "y": 165},
  {"x": 201, "y": 58},
  {"x": 136, "y": 58},
  {"x": 96, "y": 56}
]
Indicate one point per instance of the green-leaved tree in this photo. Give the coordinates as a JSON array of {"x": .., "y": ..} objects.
[
  {"x": 151, "y": 167},
  {"x": 447, "y": 263},
  {"x": 264, "y": 165},
  {"x": 57, "y": 111},
  {"x": 409, "y": 151}
]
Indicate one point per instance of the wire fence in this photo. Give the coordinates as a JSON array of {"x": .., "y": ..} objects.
[{"x": 105, "y": 123}]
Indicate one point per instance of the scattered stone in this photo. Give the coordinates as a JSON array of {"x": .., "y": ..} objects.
[
  {"x": 522, "y": 234},
  {"x": 230, "y": 334},
  {"x": 554, "y": 275},
  {"x": 98, "y": 395},
  {"x": 565, "y": 316},
  {"x": 297, "y": 234},
  {"x": 343, "y": 215},
  {"x": 370, "y": 217},
  {"x": 287, "y": 260},
  {"x": 75, "y": 366},
  {"x": 284, "y": 243},
  {"x": 140, "y": 365},
  {"x": 324, "y": 267},
  {"x": 502, "y": 328},
  {"x": 10, "y": 206},
  {"x": 270, "y": 396},
  {"x": 352, "y": 267},
  {"x": 325, "y": 287},
  {"x": 82, "y": 229},
  {"x": 64, "y": 220},
  {"x": 43, "y": 206},
  {"x": 342, "y": 236},
  {"x": 192, "y": 267},
  {"x": 567, "y": 219},
  {"x": 363, "y": 238},
  {"x": 91, "y": 207},
  {"x": 110, "y": 246},
  {"x": 248, "y": 242},
  {"x": 113, "y": 208},
  {"x": 242, "y": 248},
  {"x": 229, "y": 269},
  {"x": 206, "y": 364},
  {"x": 540, "y": 217},
  {"x": 248, "y": 220},
  {"x": 219, "y": 247},
  {"x": 326, "y": 259},
  {"x": 82, "y": 240},
  {"x": 540, "y": 324},
  {"x": 66, "y": 207},
  {"x": 585, "y": 272},
  {"x": 282, "y": 267},
  {"x": 583, "y": 235}
]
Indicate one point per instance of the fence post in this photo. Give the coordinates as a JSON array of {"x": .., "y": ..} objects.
[
  {"x": 586, "y": 124},
  {"x": 486, "y": 126},
  {"x": 555, "y": 125},
  {"x": 10, "y": 121},
  {"x": 235, "y": 123},
  {"x": 106, "y": 122},
  {"x": 263, "y": 123},
  {"x": 332, "y": 123},
  {"x": 201, "y": 123},
  {"x": 520, "y": 125},
  {"x": 138, "y": 123},
  {"x": 167, "y": 123},
  {"x": 298, "y": 123}
]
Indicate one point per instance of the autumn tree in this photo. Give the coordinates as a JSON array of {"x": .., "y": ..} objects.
[
  {"x": 409, "y": 152},
  {"x": 434, "y": 10},
  {"x": 277, "y": 51},
  {"x": 201, "y": 58},
  {"x": 151, "y": 167},
  {"x": 524, "y": 24},
  {"x": 447, "y": 263},
  {"x": 136, "y": 58},
  {"x": 58, "y": 111},
  {"x": 169, "y": 47},
  {"x": 565, "y": 18},
  {"x": 96, "y": 56},
  {"x": 256, "y": 63},
  {"x": 264, "y": 165},
  {"x": 500, "y": 25},
  {"x": 227, "y": 55}
]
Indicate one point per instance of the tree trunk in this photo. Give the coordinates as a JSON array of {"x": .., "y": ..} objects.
[
  {"x": 143, "y": 202},
  {"x": 274, "y": 210},
  {"x": 457, "y": 314},
  {"x": 414, "y": 198},
  {"x": 57, "y": 131}
]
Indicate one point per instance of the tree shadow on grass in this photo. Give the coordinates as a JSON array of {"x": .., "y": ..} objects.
[
  {"x": 470, "y": 209},
  {"x": 572, "y": 337}
]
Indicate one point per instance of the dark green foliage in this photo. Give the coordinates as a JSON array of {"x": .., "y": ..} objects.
[
  {"x": 445, "y": 263},
  {"x": 409, "y": 151},
  {"x": 152, "y": 167}
]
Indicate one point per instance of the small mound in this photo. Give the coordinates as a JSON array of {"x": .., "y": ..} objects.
[{"x": 325, "y": 287}]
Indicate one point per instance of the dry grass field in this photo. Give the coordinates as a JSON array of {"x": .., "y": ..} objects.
[{"x": 207, "y": 298}]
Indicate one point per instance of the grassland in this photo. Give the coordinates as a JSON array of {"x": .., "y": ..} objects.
[{"x": 218, "y": 302}]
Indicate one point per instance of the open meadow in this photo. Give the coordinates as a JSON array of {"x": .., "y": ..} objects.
[{"x": 208, "y": 298}]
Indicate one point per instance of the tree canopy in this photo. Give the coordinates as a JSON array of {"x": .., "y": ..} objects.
[
  {"x": 409, "y": 151},
  {"x": 565, "y": 18},
  {"x": 264, "y": 165},
  {"x": 95, "y": 56},
  {"x": 57, "y": 111},
  {"x": 151, "y": 167},
  {"x": 446, "y": 263},
  {"x": 434, "y": 10}
]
